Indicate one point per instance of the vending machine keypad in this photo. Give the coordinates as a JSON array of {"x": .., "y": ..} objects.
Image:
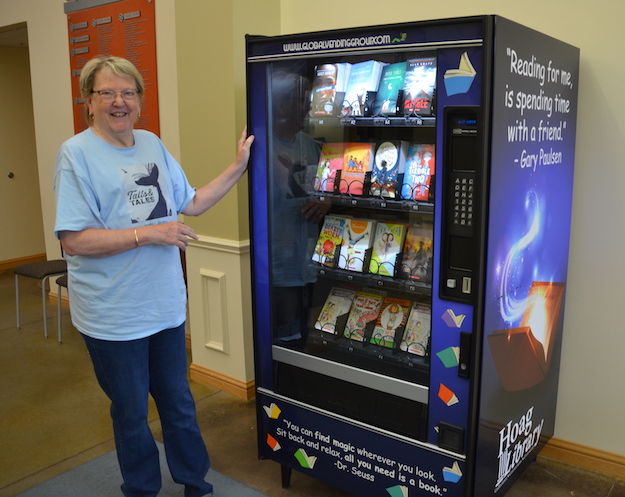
[{"x": 461, "y": 163}]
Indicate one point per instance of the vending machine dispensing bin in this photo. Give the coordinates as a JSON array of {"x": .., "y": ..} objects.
[{"x": 410, "y": 203}]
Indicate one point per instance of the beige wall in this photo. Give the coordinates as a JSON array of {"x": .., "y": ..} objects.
[
  {"x": 592, "y": 398},
  {"x": 211, "y": 72}
]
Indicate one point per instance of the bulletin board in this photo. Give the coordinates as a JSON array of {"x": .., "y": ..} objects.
[{"x": 124, "y": 28}]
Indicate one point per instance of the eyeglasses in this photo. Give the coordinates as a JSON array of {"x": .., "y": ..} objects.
[{"x": 110, "y": 95}]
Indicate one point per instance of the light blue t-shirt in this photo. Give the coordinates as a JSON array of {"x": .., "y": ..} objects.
[{"x": 139, "y": 292}]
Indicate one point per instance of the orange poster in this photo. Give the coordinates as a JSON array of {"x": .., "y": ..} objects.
[{"x": 123, "y": 28}]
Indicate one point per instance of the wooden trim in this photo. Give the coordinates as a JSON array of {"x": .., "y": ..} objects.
[
  {"x": 54, "y": 298},
  {"x": 238, "y": 388},
  {"x": 11, "y": 263},
  {"x": 585, "y": 457}
]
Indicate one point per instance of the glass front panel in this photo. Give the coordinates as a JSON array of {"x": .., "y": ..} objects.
[{"x": 351, "y": 213}]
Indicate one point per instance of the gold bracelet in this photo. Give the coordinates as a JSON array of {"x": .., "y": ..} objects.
[{"x": 136, "y": 238}]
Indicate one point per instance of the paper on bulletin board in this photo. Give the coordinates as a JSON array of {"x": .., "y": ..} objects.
[{"x": 123, "y": 28}]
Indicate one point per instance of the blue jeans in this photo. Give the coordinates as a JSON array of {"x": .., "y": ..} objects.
[{"x": 129, "y": 371}]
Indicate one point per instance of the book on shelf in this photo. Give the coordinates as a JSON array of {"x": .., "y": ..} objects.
[
  {"x": 337, "y": 304},
  {"x": 389, "y": 163},
  {"x": 387, "y": 244},
  {"x": 418, "y": 328},
  {"x": 330, "y": 161},
  {"x": 357, "y": 239},
  {"x": 364, "y": 77},
  {"x": 357, "y": 162},
  {"x": 419, "y": 86},
  {"x": 391, "y": 83},
  {"x": 329, "y": 80},
  {"x": 418, "y": 172},
  {"x": 391, "y": 321},
  {"x": 417, "y": 252},
  {"x": 330, "y": 238},
  {"x": 364, "y": 310}
]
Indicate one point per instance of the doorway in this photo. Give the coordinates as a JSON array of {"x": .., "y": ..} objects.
[{"x": 20, "y": 198}]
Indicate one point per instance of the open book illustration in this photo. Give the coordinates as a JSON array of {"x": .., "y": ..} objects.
[
  {"x": 452, "y": 474},
  {"x": 447, "y": 396},
  {"x": 305, "y": 461},
  {"x": 460, "y": 80},
  {"x": 272, "y": 411},
  {"x": 398, "y": 491},
  {"x": 450, "y": 357},
  {"x": 522, "y": 355},
  {"x": 273, "y": 443},
  {"x": 451, "y": 320}
]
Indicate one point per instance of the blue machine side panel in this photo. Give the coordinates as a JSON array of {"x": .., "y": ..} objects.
[
  {"x": 257, "y": 125},
  {"x": 533, "y": 147},
  {"x": 449, "y": 396}
]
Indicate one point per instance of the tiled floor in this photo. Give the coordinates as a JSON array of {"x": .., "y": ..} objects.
[{"x": 53, "y": 417}]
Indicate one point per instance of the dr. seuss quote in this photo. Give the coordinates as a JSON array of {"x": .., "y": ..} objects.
[
  {"x": 541, "y": 107},
  {"x": 357, "y": 461}
]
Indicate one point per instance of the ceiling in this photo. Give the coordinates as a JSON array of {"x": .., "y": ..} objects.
[{"x": 14, "y": 37}]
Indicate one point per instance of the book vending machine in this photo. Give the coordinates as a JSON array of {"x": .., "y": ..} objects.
[{"x": 410, "y": 202}]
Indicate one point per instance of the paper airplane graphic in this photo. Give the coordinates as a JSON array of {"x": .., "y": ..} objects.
[
  {"x": 273, "y": 411},
  {"x": 450, "y": 357},
  {"x": 398, "y": 491},
  {"x": 447, "y": 396},
  {"x": 305, "y": 461},
  {"x": 460, "y": 80},
  {"x": 273, "y": 443},
  {"x": 452, "y": 474},
  {"x": 452, "y": 320}
]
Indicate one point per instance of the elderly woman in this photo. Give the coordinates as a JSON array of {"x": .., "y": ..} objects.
[{"x": 118, "y": 195}]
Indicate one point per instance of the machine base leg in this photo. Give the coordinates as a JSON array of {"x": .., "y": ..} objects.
[{"x": 286, "y": 476}]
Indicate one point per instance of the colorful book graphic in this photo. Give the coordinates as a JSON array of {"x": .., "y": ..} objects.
[
  {"x": 460, "y": 80},
  {"x": 391, "y": 321},
  {"x": 337, "y": 304},
  {"x": 417, "y": 332},
  {"x": 364, "y": 77},
  {"x": 387, "y": 244},
  {"x": 398, "y": 491},
  {"x": 357, "y": 238},
  {"x": 418, "y": 252},
  {"x": 451, "y": 320},
  {"x": 273, "y": 443},
  {"x": 329, "y": 80},
  {"x": 453, "y": 474},
  {"x": 305, "y": 461},
  {"x": 391, "y": 81},
  {"x": 365, "y": 308},
  {"x": 450, "y": 357},
  {"x": 330, "y": 161},
  {"x": 389, "y": 163},
  {"x": 330, "y": 237},
  {"x": 419, "y": 86},
  {"x": 272, "y": 411},
  {"x": 357, "y": 162},
  {"x": 419, "y": 169},
  {"x": 447, "y": 396}
]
